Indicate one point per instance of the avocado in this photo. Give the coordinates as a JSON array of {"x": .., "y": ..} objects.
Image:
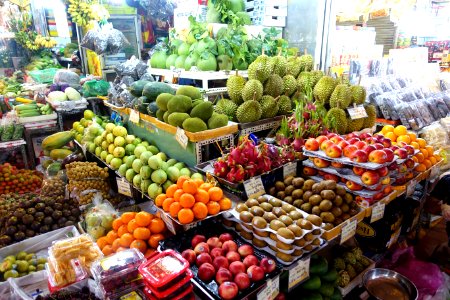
[
  {"x": 326, "y": 289},
  {"x": 313, "y": 283},
  {"x": 318, "y": 266}
]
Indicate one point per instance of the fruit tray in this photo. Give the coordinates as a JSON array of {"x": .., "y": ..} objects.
[
  {"x": 346, "y": 160},
  {"x": 183, "y": 242},
  {"x": 344, "y": 173}
]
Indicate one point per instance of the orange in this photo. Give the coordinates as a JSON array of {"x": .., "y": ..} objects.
[
  {"x": 154, "y": 240},
  {"x": 116, "y": 244},
  {"x": 187, "y": 200},
  {"x": 200, "y": 210},
  {"x": 159, "y": 199},
  {"x": 391, "y": 136},
  {"x": 225, "y": 204},
  {"x": 424, "y": 152},
  {"x": 387, "y": 128},
  {"x": 143, "y": 218},
  {"x": 427, "y": 163},
  {"x": 126, "y": 239},
  {"x": 181, "y": 180},
  {"x": 102, "y": 242},
  {"x": 185, "y": 216},
  {"x": 215, "y": 194},
  {"x": 127, "y": 217},
  {"x": 412, "y": 136},
  {"x": 189, "y": 186},
  {"x": 141, "y": 233},
  {"x": 107, "y": 250},
  {"x": 404, "y": 138},
  {"x": 198, "y": 182},
  {"x": 174, "y": 209},
  {"x": 400, "y": 130},
  {"x": 419, "y": 157},
  {"x": 178, "y": 194},
  {"x": 421, "y": 168},
  {"x": 111, "y": 236},
  {"x": 132, "y": 225},
  {"x": 213, "y": 207},
  {"x": 422, "y": 142},
  {"x": 432, "y": 160},
  {"x": 171, "y": 190},
  {"x": 116, "y": 224},
  {"x": 166, "y": 203},
  {"x": 157, "y": 225},
  {"x": 415, "y": 159},
  {"x": 201, "y": 196},
  {"x": 149, "y": 252},
  {"x": 122, "y": 229},
  {"x": 206, "y": 186},
  {"x": 415, "y": 145},
  {"x": 140, "y": 245},
  {"x": 430, "y": 150}
]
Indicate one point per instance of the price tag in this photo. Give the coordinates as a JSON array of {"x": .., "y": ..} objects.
[
  {"x": 169, "y": 222},
  {"x": 357, "y": 112},
  {"x": 348, "y": 230},
  {"x": 298, "y": 273},
  {"x": 411, "y": 188},
  {"x": 290, "y": 169},
  {"x": 134, "y": 116},
  {"x": 434, "y": 172},
  {"x": 271, "y": 290},
  {"x": 181, "y": 137},
  {"x": 254, "y": 186},
  {"x": 123, "y": 187},
  {"x": 377, "y": 212}
]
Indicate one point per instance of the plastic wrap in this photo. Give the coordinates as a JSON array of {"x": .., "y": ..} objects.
[
  {"x": 435, "y": 135},
  {"x": 18, "y": 132},
  {"x": 99, "y": 217},
  {"x": 446, "y": 99},
  {"x": 394, "y": 83},
  {"x": 116, "y": 41},
  {"x": 127, "y": 80},
  {"x": 158, "y": 9},
  {"x": 381, "y": 104},
  {"x": 8, "y": 129},
  {"x": 66, "y": 76},
  {"x": 423, "y": 112},
  {"x": 94, "y": 88}
]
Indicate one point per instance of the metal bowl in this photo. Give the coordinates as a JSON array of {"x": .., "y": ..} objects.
[{"x": 384, "y": 284}]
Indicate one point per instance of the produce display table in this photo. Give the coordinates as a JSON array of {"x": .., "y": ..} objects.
[{"x": 15, "y": 145}]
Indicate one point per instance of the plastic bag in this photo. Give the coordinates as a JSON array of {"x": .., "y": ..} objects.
[
  {"x": 99, "y": 217},
  {"x": 157, "y": 9},
  {"x": 116, "y": 41},
  {"x": 18, "y": 132},
  {"x": 66, "y": 76},
  {"x": 8, "y": 129},
  {"x": 105, "y": 40},
  {"x": 95, "y": 88}
]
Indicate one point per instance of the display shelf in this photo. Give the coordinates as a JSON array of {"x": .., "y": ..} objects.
[{"x": 336, "y": 231}]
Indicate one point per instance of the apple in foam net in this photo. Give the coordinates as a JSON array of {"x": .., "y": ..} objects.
[
  {"x": 325, "y": 145},
  {"x": 223, "y": 275},
  {"x": 349, "y": 150},
  {"x": 201, "y": 248},
  {"x": 331, "y": 134},
  {"x": 389, "y": 154},
  {"x": 358, "y": 170},
  {"x": 225, "y": 237},
  {"x": 370, "y": 177},
  {"x": 237, "y": 267},
  {"x": 378, "y": 156},
  {"x": 369, "y": 148},
  {"x": 250, "y": 260},
  {"x": 203, "y": 258},
  {"x": 401, "y": 153},
  {"x": 371, "y": 140},
  {"x": 365, "y": 135},
  {"x": 312, "y": 144},
  {"x": 206, "y": 272},
  {"x": 321, "y": 163},
  {"x": 322, "y": 173},
  {"x": 320, "y": 139},
  {"x": 359, "y": 156},
  {"x": 228, "y": 290},
  {"x": 229, "y": 246},
  {"x": 336, "y": 139},
  {"x": 334, "y": 151},
  {"x": 384, "y": 171},
  {"x": 378, "y": 146},
  {"x": 233, "y": 256},
  {"x": 242, "y": 280},
  {"x": 309, "y": 171},
  {"x": 197, "y": 239},
  {"x": 394, "y": 147},
  {"x": 343, "y": 144}
]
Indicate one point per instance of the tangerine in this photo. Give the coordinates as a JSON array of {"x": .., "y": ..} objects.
[
  {"x": 400, "y": 130},
  {"x": 189, "y": 186},
  {"x": 174, "y": 209},
  {"x": 143, "y": 218},
  {"x": 432, "y": 160},
  {"x": 206, "y": 186},
  {"x": 387, "y": 128},
  {"x": 225, "y": 204},
  {"x": 412, "y": 136},
  {"x": 154, "y": 240},
  {"x": 201, "y": 196},
  {"x": 213, "y": 207},
  {"x": 140, "y": 245},
  {"x": 187, "y": 200},
  {"x": 427, "y": 163},
  {"x": 391, "y": 136},
  {"x": 430, "y": 150},
  {"x": 404, "y": 138},
  {"x": 215, "y": 194},
  {"x": 421, "y": 168},
  {"x": 200, "y": 210},
  {"x": 198, "y": 181},
  {"x": 415, "y": 145},
  {"x": 141, "y": 233},
  {"x": 166, "y": 204},
  {"x": 107, "y": 250},
  {"x": 149, "y": 253},
  {"x": 102, "y": 242},
  {"x": 111, "y": 236},
  {"x": 127, "y": 217},
  {"x": 160, "y": 199},
  {"x": 178, "y": 194},
  {"x": 132, "y": 225},
  {"x": 126, "y": 239},
  {"x": 419, "y": 157},
  {"x": 422, "y": 142},
  {"x": 116, "y": 224},
  {"x": 181, "y": 180},
  {"x": 424, "y": 152},
  {"x": 157, "y": 225},
  {"x": 116, "y": 244},
  {"x": 171, "y": 190},
  {"x": 186, "y": 216},
  {"x": 122, "y": 229}
]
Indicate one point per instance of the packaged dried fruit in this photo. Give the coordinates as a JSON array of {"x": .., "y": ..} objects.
[{"x": 72, "y": 273}]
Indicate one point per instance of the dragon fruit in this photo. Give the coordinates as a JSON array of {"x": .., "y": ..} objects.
[
  {"x": 221, "y": 167},
  {"x": 236, "y": 174}
]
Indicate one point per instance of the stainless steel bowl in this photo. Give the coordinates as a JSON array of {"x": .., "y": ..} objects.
[{"x": 384, "y": 284}]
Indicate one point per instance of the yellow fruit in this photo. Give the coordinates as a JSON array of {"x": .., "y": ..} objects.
[
  {"x": 404, "y": 138},
  {"x": 391, "y": 136},
  {"x": 387, "y": 128},
  {"x": 400, "y": 130},
  {"x": 422, "y": 142}
]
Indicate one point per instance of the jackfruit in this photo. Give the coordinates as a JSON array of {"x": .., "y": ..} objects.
[
  {"x": 162, "y": 100},
  {"x": 358, "y": 94},
  {"x": 203, "y": 111},
  {"x": 260, "y": 69},
  {"x": 316, "y": 75},
  {"x": 305, "y": 81},
  {"x": 194, "y": 125},
  {"x": 160, "y": 114},
  {"x": 217, "y": 120},
  {"x": 249, "y": 111},
  {"x": 341, "y": 96},
  {"x": 166, "y": 116},
  {"x": 176, "y": 119},
  {"x": 274, "y": 86},
  {"x": 354, "y": 125},
  {"x": 306, "y": 62},
  {"x": 279, "y": 64},
  {"x": 197, "y": 102},
  {"x": 285, "y": 105},
  {"x": 324, "y": 88},
  {"x": 371, "y": 111},
  {"x": 179, "y": 103},
  {"x": 337, "y": 120},
  {"x": 189, "y": 91},
  {"x": 235, "y": 84},
  {"x": 253, "y": 90},
  {"x": 290, "y": 85},
  {"x": 226, "y": 107},
  {"x": 293, "y": 66},
  {"x": 269, "y": 107}
]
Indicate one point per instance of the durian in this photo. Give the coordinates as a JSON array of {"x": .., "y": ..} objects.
[
  {"x": 316, "y": 75},
  {"x": 358, "y": 94},
  {"x": 235, "y": 84},
  {"x": 337, "y": 120},
  {"x": 341, "y": 96},
  {"x": 371, "y": 111},
  {"x": 279, "y": 64},
  {"x": 249, "y": 111},
  {"x": 354, "y": 125},
  {"x": 253, "y": 90},
  {"x": 285, "y": 105},
  {"x": 274, "y": 86},
  {"x": 226, "y": 107},
  {"x": 324, "y": 88},
  {"x": 293, "y": 66},
  {"x": 306, "y": 62},
  {"x": 290, "y": 85},
  {"x": 269, "y": 107},
  {"x": 305, "y": 81},
  {"x": 260, "y": 69}
]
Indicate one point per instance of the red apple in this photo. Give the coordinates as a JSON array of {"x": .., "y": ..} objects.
[
  {"x": 312, "y": 144},
  {"x": 387, "y": 190},
  {"x": 325, "y": 145},
  {"x": 268, "y": 265},
  {"x": 409, "y": 149},
  {"x": 228, "y": 290},
  {"x": 309, "y": 171},
  {"x": 203, "y": 258},
  {"x": 245, "y": 250},
  {"x": 353, "y": 141},
  {"x": 393, "y": 167},
  {"x": 365, "y": 135},
  {"x": 334, "y": 151},
  {"x": 214, "y": 242},
  {"x": 386, "y": 180},
  {"x": 322, "y": 173},
  {"x": 353, "y": 186},
  {"x": 331, "y": 177},
  {"x": 197, "y": 239},
  {"x": 206, "y": 272},
  {"x": 378, "y": 156},
  {"x": 401, "y": 144},
  {"x": 394, "y": 147},
  {"x": 358, "y": 170},
  {"x": 402, "y": 168},
  {"x": 237, "y": 267},
  {"x": 359, "y": 156},
  {"x": 409, "y": 163},
  {"x": 370, "y": 177},
  {"x": 337, "y": 165},
  {"x": 242, "y": 280},
  {"x": 321, "y": 163},
  {"x": 378, "y": 196},
  {"x": 320, "y": 139},
  {"x": 225, "y": 237},
  {"x": 369, "y": 148},
  {"x": 220, "y": 262},
  {"x": 371, "y": 140},
  {"x": 223, "y": 275},
  {"x": 255, "y": 273},
  {"x": 401, "y": 153},
  {"x": 343, "y": 144},
  {"x": 389, "y": 154},
  {"x": 233, "y": 256},
  {"x": 189, "y": 255},
  {"x": 201, "y": 248},
  {"x": 250, "y": 260},
  {"x": 360, "y": 145},
  {"x": 229, "y": 246},
  {"x": 336, "y": 139},
  {"x": 384, "y": 171},
  {"x": 378, "y": 146},
  {"x": 217, "y": 252},
  {"x": 330, "y": 135},
  {"x": 349, "y": 150},
  {"x": 386, "y": 142}
]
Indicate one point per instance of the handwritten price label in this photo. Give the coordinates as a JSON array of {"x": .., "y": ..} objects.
[
  {"x": 123, "y": 187},
  {"x": 271, "y": 290},
  {"x": 298, "y": 273},
  {"x": 377, "y": 212},
  {"x": 357, "y": 112},
  {"x": 254, "y": 186},
  {"x": 169, "y": 222},
  {"x": 348, "y": 230},
  {"x": 290, "y": 169},
  {"x": 181, "y": 137},
  {"x": 134, "y": 116}
]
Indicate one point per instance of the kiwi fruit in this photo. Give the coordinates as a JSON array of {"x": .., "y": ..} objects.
[
  {"x": 262, "y": 199},
  {"x": 245, "y": 216},
  {"x": 286, "y": 233},
  {"x": 325, "y": 205},
  {"x": 275, "y": 202},
  {"x": 257, "y": 211},
  {"x": 259, "y": 243},
  {"x": 287, "y": 207},
  {"x": 285, "y": 257},
  {"x": 272, "y": 191},
  {"x": 300, "y": 243},
  {"x": 276, "y": 224},
  {"x": 286, "y": 220},
  {"x": 316, "y": 231},
  {"x": 337, "y": 221},
  {"x": 315, "y": 242},
  {"x": 266, "y": 206},
  {"x": 269, "y": 217},
  {"x": 353, "y": 211},
  {"x": 298, "y": 203},
  {"x": 316, "y": 210},
  {"x": 273, "y": 237},
  {"x": 295, "y": 215},
  {"x": 328, "y": 226},
  {"x": 308, "y": 237},
  {"x": 288, "y": 180},
  {"x": 306, "y": 207},
  {"x": 327, "y": 217},
  {"x": 304, "y": 224},
  {"x": 289, "y": 189},
  {"x": 340, "y": 190},
  {"x": 315, "y": 200},
  {"x": 241, "y": 207},
  {"x": 315, "y": 220},
  {"x": 308, "y": 184},
  {"x": 329, "y": 184},
  {"x": 278, "y": 211},
  {"x": 288, "y": 199},
  {"x": 338, "y": 200},
  {"x": 259, "y": 222},
  {"x": 336, "y": 211},
  {"x": 283, "y": 246},
  {"x": 274, "y": 249},
  {"x": 345, "y": 208},
  {"x": 239, "y": 227},
  {"x": 261, "y": 233},
  {"x": 296, "y": 230},
  {"x": 298, "y": 182},
  {"x": 251, "y": 202},
  {"x": 317, "y": 187},
  {"x": 297, "y": 252},
  {"x": 327, "y": 194},
  {"x": 297, "y": 194},
  {"x": 308, "y": 248},
  {"x": 249, "y": 227},
  {"x": 306, "y": 196},
  {"x": 348, "y": 198},
  {"x": 246, "y": 235},
  {"x": 281, "y": 195},
  {"x": 280, "y": 186}
]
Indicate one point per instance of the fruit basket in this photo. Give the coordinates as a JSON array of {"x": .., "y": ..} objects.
[{"x": 181, "y": 243}]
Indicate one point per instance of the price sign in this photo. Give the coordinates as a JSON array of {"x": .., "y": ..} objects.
[
  {"x": 377, "y": 212},
  {"x": 348, "y": 230},
  {"x": 290, "y": 169},
  {"x": 123, "y": 187},
  {"x": 181, "y": 137},
  {"x": 357, "y": 112},
  {"x": 254, "y": 186},
  {"x": 434, "y": 172},
  {"x": 411, "y": 187},
  {"x": 169, "y": 222},
  {"x": 271, "y": 290},
  {"x": 298, "y": 273},
  {"x": 134, "y": 116}
]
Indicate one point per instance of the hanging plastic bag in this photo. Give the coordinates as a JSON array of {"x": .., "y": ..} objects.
[
  {"x": 116, "y": 41},
  {"x": 94, "y": 88},
  {"x": 66, "y": 76},
  {"x": 99, "y": 217}
]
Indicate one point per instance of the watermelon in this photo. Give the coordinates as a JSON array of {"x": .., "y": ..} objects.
[
  {"x": 152, "y": 108},
  {"x": 153, "y": 89},
  {"x": 137, "y": 87}
]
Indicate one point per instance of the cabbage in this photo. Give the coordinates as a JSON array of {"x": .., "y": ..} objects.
[
  {"x": 57, "y": 96},
  {"x": 72, "y": 94}
]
